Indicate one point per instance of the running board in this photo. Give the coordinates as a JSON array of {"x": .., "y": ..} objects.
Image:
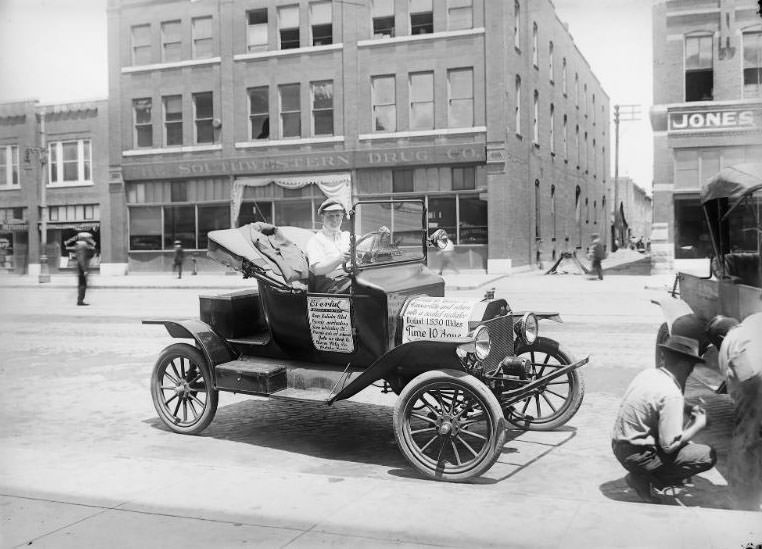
[{"x": 305, "y": 395}]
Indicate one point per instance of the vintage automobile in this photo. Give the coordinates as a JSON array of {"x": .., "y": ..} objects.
[
  {"x": 463, "y": 370},
  {"x": 732, "y": 205}
]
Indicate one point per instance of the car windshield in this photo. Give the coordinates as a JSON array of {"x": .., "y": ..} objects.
[
  {"x": 389, "y": 232},
  {"x": 745, "y": 224}
]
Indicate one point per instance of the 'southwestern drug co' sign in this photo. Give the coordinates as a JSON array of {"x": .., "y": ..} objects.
[{"x": 726, "y": 119}]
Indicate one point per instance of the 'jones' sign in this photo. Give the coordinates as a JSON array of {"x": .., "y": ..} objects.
[{"x": 705, "y": 120}]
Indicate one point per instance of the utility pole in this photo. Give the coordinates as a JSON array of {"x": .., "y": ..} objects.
[
  {"x": 44, "y": 269},
  {"x": 623, "y": 113}
]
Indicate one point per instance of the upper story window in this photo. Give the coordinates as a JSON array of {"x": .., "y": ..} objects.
[
  {"x": 141, "y": 118},
  {"x": 752, "y": 64},
  {"x": 203, "y": 116},
  {"x": 288, "y": 27},
  {"x": 141, "y": 44},
  {"x": 552, "y": 129},
  {"x": 321, "y": 19},
  {"x": 584, "y": 99},
  {"x": 536, "y": 118},
  {"x": 201, "y": 32},
  {"x": 422, "y": 101},
  {"x": 383, "y": 18},
  {"x": 576, "y": 89},
  {"x": 699, "y": 72},
  {"x": 290, "y": 110},
  {"x": 460, "y": 91},
  {"x": 576, "y": 143},
  {"x": 550, "y": 61},
  {"x": 259, "y": 112},
  {"x": 594, "y": 111},
  {"x": 9, "y": 166},
  {"x": 563, "y": 76},
  {"x": 69, "y": 162},
  {"x": 535, "y": 52},
  {"x": 565, "y": 137},
  {"x": 256, "y": 30},
  {"x": 173, "y": 120},
  {"x": 322, "y": 107},
  {"x": 464, "y": 179},
  {"x": 171, "y": 41},
  {"x": 421, "y": 17},
  {"x": 517, "y": 107},
  {"x": 516, "y": 24},
  {"x": 384, "y": 104},
  {"x": 402, "y": 181},
  {"x": 460, "y": 14}
]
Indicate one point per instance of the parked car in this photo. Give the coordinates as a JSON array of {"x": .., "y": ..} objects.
[
  {"x": 732, "y": 206},
  {"x": 463, "y": 369}
]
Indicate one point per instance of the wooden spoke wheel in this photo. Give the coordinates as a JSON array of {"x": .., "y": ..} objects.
[
  {"x": 449, "y": 425},
  {"x": 182, "y": 389}
]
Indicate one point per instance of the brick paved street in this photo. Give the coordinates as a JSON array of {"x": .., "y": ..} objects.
[{"x": 82, "y": 450}]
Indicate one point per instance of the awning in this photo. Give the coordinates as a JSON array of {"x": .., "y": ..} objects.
[
  {"x": 76, "y": 226},
  {"x": 733, "y": 183},
  {"x": 333, "y": 185}
]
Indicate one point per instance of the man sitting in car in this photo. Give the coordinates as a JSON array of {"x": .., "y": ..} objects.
[{"x": 328, "y": 250}]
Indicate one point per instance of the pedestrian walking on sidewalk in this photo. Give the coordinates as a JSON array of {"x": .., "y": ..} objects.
[
  {"x": 83, "y": 247},
  {"x": 740, "y": 360},
  {"x": 179, "y": 258},
  {"x": 447, "y": 255},
  {"x": 596, "y": 254},
  {"x": 648, "y": 438}
]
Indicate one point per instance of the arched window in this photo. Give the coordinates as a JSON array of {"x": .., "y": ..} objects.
[
  {"x": 550, "y": 60},
  {"x": 517, "y": 109},
  {"x": 537, "y": 210},
  {"x": 595, "y": 212},
  {"x": 563, "y": 76},
  {"x": 517, "y": 24},
  {"x": 552, "y": 129},
  {"x": 536, "y": 118},
  {"x": 553, "y": 212},
  {"x": 578, "y": 214},
  {"x": 535, "y": 53}
]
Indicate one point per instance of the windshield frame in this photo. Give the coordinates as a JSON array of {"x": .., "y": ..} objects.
[{"x": 353, "y": 236}]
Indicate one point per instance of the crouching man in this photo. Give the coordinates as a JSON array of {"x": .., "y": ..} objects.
[{"x": 648, "y": 438}]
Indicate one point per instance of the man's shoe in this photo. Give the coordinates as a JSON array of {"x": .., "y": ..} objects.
[
  {"x": 642, "y": 486},
  {"x": 82, "y": 304}
]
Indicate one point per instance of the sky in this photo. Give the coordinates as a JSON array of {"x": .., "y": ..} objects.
[{"x": 55, "y": 51}]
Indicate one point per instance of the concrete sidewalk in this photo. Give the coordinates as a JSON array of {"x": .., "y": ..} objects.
[{"x": 464, "y": 280}]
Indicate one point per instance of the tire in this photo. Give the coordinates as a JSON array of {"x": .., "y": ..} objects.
[
  {"x": 449, "y": 425},
  {"x": 661, "y": 337},
  {"x": 182, "y": 390},
  {"x": 556, "y": 403}
]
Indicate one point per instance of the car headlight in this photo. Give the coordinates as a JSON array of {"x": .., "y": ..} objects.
[
  {"x": 527, "y": 328},
  {"x": 481, "y": 342}
]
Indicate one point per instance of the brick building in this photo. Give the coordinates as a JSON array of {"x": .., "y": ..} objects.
[
  {"x": 59, "y": 150},
  {"x": 227, "y": 111},
  {"x": 707, "y": 112},
  {"x": 637, "y": 207}
]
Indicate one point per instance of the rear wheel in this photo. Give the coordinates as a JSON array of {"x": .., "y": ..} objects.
[
  {"x": 182, "y": 389},
  {"x": 449, "y": 425},
  {"x": 552, "y": 405}
]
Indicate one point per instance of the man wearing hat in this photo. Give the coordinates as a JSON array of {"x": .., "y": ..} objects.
[
  {"x": 83, "y": 247},
  {"x": 740, "y": 359},
  {"x": 596, "y": 254},
  {"x": 648, "y": 438},
  {"x": 328, "y": 250},
  {"x": 179, "y": 257}
]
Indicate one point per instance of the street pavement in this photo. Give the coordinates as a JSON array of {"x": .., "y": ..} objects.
[{"x": 84, "y": 462}]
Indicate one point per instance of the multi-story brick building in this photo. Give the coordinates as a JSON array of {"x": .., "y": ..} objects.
[
  {"x": 61, "y": 151},
  {"x": 707, "y": 112},
  {"x": 637, "y": 208},
  {"x": 226, "y": 111}
]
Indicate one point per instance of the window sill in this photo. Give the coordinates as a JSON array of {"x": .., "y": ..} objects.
[
  {"x": 174, "y": 65},
  {"x": 292, "y": 51},
  {"x": 295, "y": 141},
  {"x": 419, "y": 37},
  {"x": 421, "y": 133},
  {"x": 172, "y": 150},
  {"x": 69, "y": 184},
  {"x": 10, "y": 187}
]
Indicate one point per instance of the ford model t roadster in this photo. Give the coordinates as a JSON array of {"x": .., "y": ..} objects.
[{"x": 461, "y": 368}]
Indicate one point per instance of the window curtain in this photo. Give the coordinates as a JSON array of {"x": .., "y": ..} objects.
[{"x": 338, "y": 186}]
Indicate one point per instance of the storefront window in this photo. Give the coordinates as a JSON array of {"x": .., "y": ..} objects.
[
  {"x": 145, "y": 228},
  {"x": 473, "y": 219},
  {"x": 296, "y": 213},
  {"x": 691, "y": 234},
  {"x": 442, "y": 215},
  {"x": 251, "y": 212},
  {"x": 180, "y": 224},
  {"x": 211, "y": 218}
]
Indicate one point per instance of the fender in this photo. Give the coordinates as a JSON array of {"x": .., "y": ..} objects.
[
  {"x": 544, "y": 315},
  {"x": 672, "y": 308},
  {"x": 215, "y": 348},
  {"x": 412, "y": 358}
]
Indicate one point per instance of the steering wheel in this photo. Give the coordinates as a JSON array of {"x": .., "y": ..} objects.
[{"x": 368, "y": 255}]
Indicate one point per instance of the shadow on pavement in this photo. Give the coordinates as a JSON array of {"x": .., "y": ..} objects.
[{"x": 704, "y": 493}]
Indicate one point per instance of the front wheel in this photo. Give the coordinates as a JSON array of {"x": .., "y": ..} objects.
[
  {"x": 182, "y": 389},
  {"x": 552, "y": 405},
  {"x": 449, "y": 425}
]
